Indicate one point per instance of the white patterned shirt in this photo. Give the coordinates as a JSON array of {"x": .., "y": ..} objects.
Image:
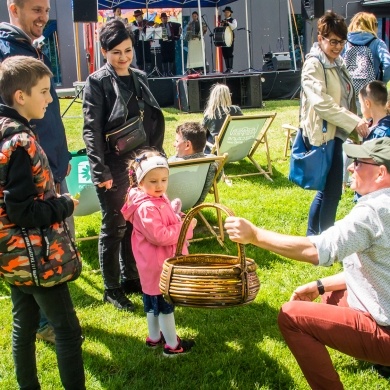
[{"x": 362, "y": 241}]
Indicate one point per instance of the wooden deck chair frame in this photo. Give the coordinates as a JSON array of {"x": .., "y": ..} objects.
[
  {"x": 186, "y": 181},
  {"x": 240, "y": 136}
]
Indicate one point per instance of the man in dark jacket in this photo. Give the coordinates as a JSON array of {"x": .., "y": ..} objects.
[
  {"x": 27, "y": 21},
  {"x": 16, "y": 38}
]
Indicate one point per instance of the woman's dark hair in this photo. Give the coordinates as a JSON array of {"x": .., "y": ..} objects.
[
  {"x": 114, "y": 33},
  {"x": 330, "y": 23},
  {"x": 195, "y": 12}
]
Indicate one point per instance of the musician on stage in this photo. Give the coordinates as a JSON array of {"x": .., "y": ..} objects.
[
  {"x": 141, "y": 46},
  {"x": 193, "y": 36},
  {"x": 173, "y": 32},
  {"x": 118, "y": 15},
  {"x": 227, "y": 52}
]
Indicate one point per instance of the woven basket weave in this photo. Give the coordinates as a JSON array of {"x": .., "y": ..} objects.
[{"x": 208, "y": 280}]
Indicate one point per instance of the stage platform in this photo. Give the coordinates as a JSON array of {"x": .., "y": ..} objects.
[
  {"x": 190, "y": 94},
  {"x": 249, "y": 89}
]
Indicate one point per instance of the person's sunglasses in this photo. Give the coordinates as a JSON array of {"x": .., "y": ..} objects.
[
  {"x": 356, "y": 163},
  {"x": 335, "y": 42}
]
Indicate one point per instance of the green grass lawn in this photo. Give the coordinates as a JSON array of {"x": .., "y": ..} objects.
[{"x": 236, "y": 348}]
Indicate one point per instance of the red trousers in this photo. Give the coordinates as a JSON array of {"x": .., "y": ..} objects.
[{"x": 308, "y": 327}]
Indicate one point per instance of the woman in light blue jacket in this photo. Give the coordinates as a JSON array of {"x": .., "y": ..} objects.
[{"x": 362, "y": 31}]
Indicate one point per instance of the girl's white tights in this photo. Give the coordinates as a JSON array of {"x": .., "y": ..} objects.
[{"x": 165, "y": 323}]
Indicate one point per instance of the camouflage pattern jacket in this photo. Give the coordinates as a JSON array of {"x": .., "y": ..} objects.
[{"x": 35, "y": 245}]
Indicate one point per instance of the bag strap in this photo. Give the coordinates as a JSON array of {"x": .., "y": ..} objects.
[
  {"x": 32, "y": 259},
  {"x": 138, "y": 90},
  {"x": 324, "y": 122}
]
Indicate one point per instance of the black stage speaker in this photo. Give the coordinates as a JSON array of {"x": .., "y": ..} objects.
[
  {"x": 312, "y": 9},
  {"x": 278, "y": 61},
  {"x": 192, "y": 94},
  {"x": 281, "y": 64},
  {"x": 85, "y": 11}
]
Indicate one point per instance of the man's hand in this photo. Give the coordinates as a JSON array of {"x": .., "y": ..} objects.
[
  {"x": 240, "y": 230},
  {"x": 307, "y": 292}
]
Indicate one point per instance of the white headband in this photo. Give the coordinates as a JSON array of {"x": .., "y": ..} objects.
[{"x": 148, "y": 164}]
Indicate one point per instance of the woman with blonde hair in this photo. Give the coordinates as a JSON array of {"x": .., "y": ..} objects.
[
  {"x": 362, "y": 32},
  {"x": 218, "y": 107}
]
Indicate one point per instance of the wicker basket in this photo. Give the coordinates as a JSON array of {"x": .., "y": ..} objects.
[{"x": 208, "y": 280}]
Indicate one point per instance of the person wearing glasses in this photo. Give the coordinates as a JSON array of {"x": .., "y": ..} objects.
[
  {"x": 328, "y": 101},
  {"x": 362, "y": 35},
  {"x": 353, "y": 316}
]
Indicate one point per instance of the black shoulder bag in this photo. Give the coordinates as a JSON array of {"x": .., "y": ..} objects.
[{"x": 131, "y": 134}]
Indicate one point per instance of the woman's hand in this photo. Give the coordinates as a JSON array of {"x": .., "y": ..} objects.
[
  {"x": 362, "y": 128},
  {"x": 307, "y": 292},
  {"x": 106, "y": 184}
]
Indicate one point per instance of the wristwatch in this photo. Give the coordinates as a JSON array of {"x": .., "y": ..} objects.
[{"x": 321, "y": 288}]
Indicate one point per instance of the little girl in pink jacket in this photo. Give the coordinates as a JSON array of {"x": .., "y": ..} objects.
[{"x": 156, "y": 229}]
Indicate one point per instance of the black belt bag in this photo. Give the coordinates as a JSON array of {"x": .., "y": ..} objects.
[
  {"x": 127, "y": 137},
  {"x": 131, "y": 134}
]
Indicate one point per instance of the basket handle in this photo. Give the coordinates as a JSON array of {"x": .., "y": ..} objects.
[{"x": 186, "y": 223}]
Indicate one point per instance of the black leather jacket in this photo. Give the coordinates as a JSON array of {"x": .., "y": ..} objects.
[{"x": 105, "y": 108}]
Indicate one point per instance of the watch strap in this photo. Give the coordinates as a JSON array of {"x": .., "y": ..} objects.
[{"x": 321, "y": 288}]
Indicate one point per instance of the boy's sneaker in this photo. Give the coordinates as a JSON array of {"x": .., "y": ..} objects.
[
  {"x": 118, "y": 298},
  {"x": 182, "y": 348},
  {"x": 47, "y": 334},
  {"x": 154, "y": 344}
]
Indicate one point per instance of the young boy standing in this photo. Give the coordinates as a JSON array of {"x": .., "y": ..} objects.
[
  {"x": 28, "y": 200},
  {"x": 373, "y": 102}
]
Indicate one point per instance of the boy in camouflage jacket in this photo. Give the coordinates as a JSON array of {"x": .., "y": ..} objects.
[{"x": 31, "y": 214}]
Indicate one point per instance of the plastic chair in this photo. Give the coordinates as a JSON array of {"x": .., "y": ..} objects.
[
  {"x": 186, "y": 181},
  {"x": 240, "y": 136}
]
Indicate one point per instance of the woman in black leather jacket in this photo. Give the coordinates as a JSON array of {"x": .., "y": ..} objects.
[{"x": 109, "y": 100}]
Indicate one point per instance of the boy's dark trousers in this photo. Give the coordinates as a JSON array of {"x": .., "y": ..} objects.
[{"x": 57, "y": 305}]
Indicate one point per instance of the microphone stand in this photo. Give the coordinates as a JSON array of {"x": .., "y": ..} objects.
[
  {"x": 250, "y": 69},
  {"x": 142, "y": 36},
  {"x": 211, "y": 41}
]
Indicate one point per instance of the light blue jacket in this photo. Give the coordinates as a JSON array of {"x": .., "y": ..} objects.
[{"x": 378, "y": 48}]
